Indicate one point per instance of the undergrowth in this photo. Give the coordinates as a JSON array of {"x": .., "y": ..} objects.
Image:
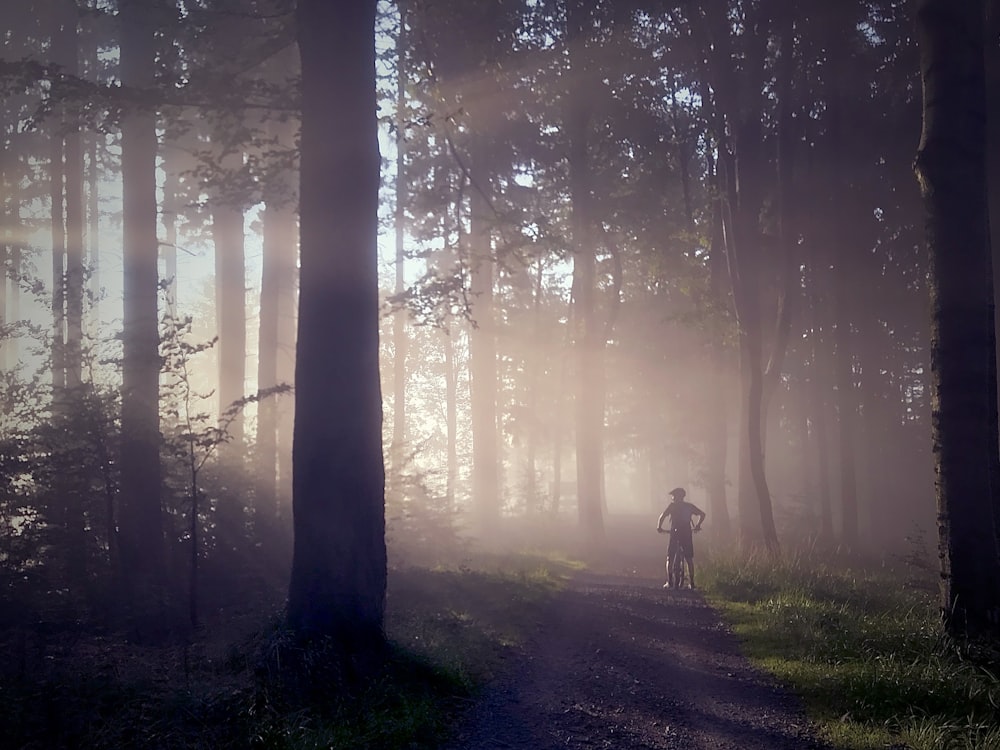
[
  {"x": 863, "y": 648},
  {"x": 449, "y": 630}
]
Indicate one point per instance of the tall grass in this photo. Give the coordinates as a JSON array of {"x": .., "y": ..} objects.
[{"x": 863, "y": 647}]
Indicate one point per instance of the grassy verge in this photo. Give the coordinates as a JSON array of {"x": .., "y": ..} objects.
[
  {"x": 449, "y": 630},
  {"x": 864, "y": 651}
]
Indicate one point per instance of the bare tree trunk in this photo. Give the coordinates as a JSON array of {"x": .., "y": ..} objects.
[
  {"x": 277, "y": 282},
  {"x": 230, "y": 306},
  {"x": 717, "y": 439},
  {"x": 589, "y": 342},
  {"x": 142, "y": 550},
  {"x": 338, "y": 582},
  {"x": 75, "y": 223},
  {"x": 951, "y": 170},
  {"x": 451, "y": 416},
  {"x": 169, "y": 214},
  {"x": 483, "y": 364},
  {"x": 843, "y": 286},
  {"x": 399, "y": 339}
]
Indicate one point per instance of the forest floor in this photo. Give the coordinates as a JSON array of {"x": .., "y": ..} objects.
[{"x": 616, "y": 661}]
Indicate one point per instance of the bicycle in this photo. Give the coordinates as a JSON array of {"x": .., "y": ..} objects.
[{"x": 678, "y": 566}]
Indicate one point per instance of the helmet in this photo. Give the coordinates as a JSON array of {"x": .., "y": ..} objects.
[{"x": 678, "y": 493}]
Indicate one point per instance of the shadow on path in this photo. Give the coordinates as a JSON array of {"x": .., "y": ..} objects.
[{"x": 621, "y": 663}]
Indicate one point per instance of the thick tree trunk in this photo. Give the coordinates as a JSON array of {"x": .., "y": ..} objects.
[
  {"x": 142, "y": 551},
  {"x": 741, "y": 166},
  {"x": 951, "y": 170},
  {"x": 338, "y": 579}
]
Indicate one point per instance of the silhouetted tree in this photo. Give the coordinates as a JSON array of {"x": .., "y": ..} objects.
[
  {"x": 951, "y": 169},
  {"x": 141, "y": 542},
  {"x": 338, "y": 575}
]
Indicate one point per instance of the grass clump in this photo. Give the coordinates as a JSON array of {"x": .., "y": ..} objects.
[{"x": 863, "y": 649}]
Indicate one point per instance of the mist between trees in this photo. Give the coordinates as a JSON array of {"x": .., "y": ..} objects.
[{"x": 623, "y": 247}]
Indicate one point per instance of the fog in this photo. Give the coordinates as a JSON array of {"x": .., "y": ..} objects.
[{"x": 607, "y": 247}]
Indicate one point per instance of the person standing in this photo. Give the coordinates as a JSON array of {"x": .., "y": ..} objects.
[{"x": 682, "y": 528}]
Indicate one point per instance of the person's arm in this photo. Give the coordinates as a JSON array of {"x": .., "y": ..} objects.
[
  {"x": 699, "y": 512},
  {"x": 663, "y": 517}
]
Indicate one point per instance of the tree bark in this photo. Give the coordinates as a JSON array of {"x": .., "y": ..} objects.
[
  {"x": 399, "y": 318},
  {"x": 230, "y": 305},
  {"x": 717, "y": 438},
  {"x": 951, "y": 170},
  {"x": 589, "y": 342},
  {"x": 75, "y": 223},
  {"x": 277, "y": 282},
  {"x": 483, "y": 361},
  {"x": 843, "y": 281},
  {"x": 142, "y": 551},
  {"x": 338, "y": 579}
]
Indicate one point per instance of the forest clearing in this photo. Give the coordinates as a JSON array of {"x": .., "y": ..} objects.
[{"x": 373, "y": 372}]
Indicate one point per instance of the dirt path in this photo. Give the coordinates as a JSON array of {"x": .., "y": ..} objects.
[{"x": 621, "y": 663}]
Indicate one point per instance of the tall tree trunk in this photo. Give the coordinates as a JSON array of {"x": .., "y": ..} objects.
[
  {"x": 483, "y": 361},
  {"x": 741, "y": 166},
  {"x": 589, "y": 342},
  {"x": 338, "y": 579},
  {"x": 75, "y": 222},
  {"x": 399, "y": 318},
  {"x": 169, "y": 215},
  {"x": 142, "y": 551},
  {"x": 844, "y": 292},
  {"x": 451, "y": 416},
  {"x": 277, "y": 284},
  {"x": 951, "y": 170},
  {"x": 533, "y": 365},
  {"x": 7, "y": 240},
  {"x": 717, "y": 438},
  {"x": 230, "y": 305},
  {"x": 56, "y": 195}
]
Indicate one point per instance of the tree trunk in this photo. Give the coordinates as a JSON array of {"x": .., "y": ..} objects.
[
  {"x": 951, "y": 170},
  {"x": 75, "y": 223},
  {"x": 277, "y": 282},
  {"x": 717, "y": 438},
  {"x": 589, "y": 342},
  {"x": 843, "y": 282},
  {"x": 483, "y": 362},
  {"x": 399, "y": 339},
  {"x": 451, "y": 416},
  {"x": 142, "y": 552},
  {"x": 230, "y": 306},
  {"x": 338, "y": 579},
  {"x": 56, "y": 195}
]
